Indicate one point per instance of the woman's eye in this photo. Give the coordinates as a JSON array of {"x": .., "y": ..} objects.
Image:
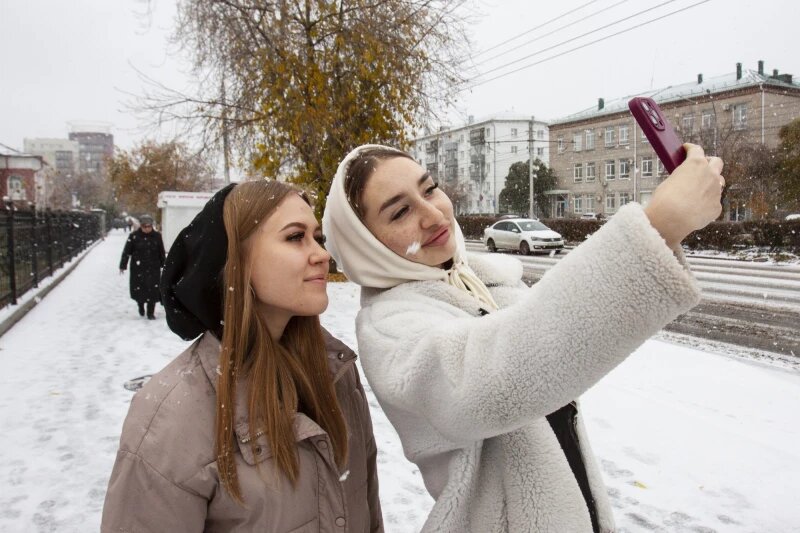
[
  {"x": 432, "y": 188},
  {"x": 399, "y": 213},
  {"x": 296, "y": 236}
]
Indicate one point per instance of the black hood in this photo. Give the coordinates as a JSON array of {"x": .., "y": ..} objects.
[{"x": 191, "y": 284}]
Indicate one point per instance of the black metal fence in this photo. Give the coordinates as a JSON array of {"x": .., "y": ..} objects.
[{"x": 34, "y": 244}]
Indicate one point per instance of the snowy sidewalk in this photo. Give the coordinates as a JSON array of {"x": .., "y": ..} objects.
[{"x": 688, "y": 440}]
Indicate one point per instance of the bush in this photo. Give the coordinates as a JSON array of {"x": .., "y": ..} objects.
[
  {"x": 729, "y": 236},
  {"x": 723, "y": 236}
]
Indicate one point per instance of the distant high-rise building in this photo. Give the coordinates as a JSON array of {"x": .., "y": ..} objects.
[{"x": 96, "y": 146}]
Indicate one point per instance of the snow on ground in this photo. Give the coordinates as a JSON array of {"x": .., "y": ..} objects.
[{"x": 689, "y": 441}]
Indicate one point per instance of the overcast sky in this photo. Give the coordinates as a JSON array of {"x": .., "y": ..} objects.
[{"x": 76, "y": 60}]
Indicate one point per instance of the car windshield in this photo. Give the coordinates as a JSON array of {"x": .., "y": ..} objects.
[{"x": 532, "y": 225}]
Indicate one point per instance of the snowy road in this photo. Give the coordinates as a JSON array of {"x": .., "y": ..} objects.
[{"x": 689, "y": 441}]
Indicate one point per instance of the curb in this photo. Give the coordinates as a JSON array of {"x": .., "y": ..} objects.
[{"x": 25, "y": 308}]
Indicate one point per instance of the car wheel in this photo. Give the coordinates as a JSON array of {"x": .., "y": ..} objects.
[
  {"x": 490, "y": 245},
  {"x": 524, "y": 249}
]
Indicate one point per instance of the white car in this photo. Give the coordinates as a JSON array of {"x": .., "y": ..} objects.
[
  {"x": 793, "y": 217},
  {"x": 522, "y": 234}
]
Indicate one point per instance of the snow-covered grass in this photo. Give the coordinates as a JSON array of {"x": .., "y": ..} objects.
[{"x": 688, "y": 440}]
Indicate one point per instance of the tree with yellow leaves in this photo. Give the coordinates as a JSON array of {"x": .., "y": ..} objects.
[
  {"x": 295, "y": 84},
  {"x": 138, "y": 175}
]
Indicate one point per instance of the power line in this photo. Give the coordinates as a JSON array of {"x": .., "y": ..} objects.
[
  {"x": 535, "y": 28},
  {"x": 581, "y": 36},
  {"x": 550, "y": 33},
  {"x": 478, "y": 83}
]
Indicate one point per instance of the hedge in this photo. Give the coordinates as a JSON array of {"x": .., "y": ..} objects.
[{"x": 726, "y": 236}]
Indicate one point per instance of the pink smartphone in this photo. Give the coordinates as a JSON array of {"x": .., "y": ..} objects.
[{"x": 658, "y": 131}]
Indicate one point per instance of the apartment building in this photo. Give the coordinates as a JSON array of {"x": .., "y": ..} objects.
[
  {"x": 471, "y": 162},
  {"x": 603, "y": 160},
  {"x": 96, "y": 146},
  {"x": 60, "y": 154}
]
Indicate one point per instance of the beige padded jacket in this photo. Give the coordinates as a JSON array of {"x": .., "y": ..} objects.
[{"x": 165, "y": 476}]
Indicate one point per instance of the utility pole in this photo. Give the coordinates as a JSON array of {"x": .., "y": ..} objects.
[{"x": 531, "y": 176}]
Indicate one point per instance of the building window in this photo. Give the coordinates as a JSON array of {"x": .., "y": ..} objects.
[
  {"x": 461, "y": 138},
  {"x": 609, "y": 136},
  {"x": 660, "y": 167},
  {"x": 461, "y": 155},
  {"x": 707, "y": 120},
  {"x": 623, "y": 135},
  {"x": 647, "y": 167},
  {"x": 590, "y": 172},
  {"x": 513, "y": 149},
  {"x": 740, "y": 116},
  {"x": 687, "y": 124},
  {"x": 488, "y": 132},
  {"x": 560, "y": 144},
  {"x": 589, "y": 140},
  {"x": 15, "y": 188},
  {"x": 624, "y": 198},
  {"x": 611, "y": 202},
  {"x": 588, "y": 203},
  {"x": 540, "y": 151},
  {"x": 513, "y": 132},
  {"x": 644, "y": 138},
  {"x": 610, "y": 170},
  {"x": 624, "y": 169},
  {"x": 577, "y": 204},
  {"x": 576, "y": 142},
  {"x": 577, "y": 172},
  {"x": 540, "y": 134}
]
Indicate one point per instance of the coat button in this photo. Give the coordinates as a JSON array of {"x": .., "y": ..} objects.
[
  {"x": 340, "y": 522},
  {"x": 258, "y": 450},
  {"x": 340, "y": 355},
  {"x": 323, "y": 444}
]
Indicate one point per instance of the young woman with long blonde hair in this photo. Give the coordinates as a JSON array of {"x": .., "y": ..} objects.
[{"x": 262, "y": 423}]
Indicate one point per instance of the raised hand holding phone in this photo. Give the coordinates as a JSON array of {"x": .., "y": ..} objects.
[
  {"x": 689, "y": 199},
  {"x": 658, "y": 131}
]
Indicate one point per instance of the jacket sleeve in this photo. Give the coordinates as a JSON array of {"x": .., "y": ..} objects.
[
  {"x": 162, "y": 255},
  {"x": 139, "y": 498},
  {"x": 126, "y": 253},
  {"x": 373, "y": 497},
  {"x": 472, "y": 378}
]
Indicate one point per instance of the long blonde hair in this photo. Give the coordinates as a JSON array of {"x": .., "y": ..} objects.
[{"x": 282, "y": 376}]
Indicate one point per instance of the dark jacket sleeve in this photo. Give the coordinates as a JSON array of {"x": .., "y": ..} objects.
[
  {"x": 126, "y": 253},
  {"x": 373, "y": 498},
  {"x": 161, "y": 255}
]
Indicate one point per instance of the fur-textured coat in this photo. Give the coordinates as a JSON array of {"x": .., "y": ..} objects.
[{"x": 468, "y": 395}]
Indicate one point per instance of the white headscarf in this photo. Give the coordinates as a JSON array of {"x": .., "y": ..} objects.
[{"x": 370, "y": 263}]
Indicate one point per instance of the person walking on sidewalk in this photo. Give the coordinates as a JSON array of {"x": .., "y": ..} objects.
[
  {"x": 479, "y": 374},
  {"x": 262, "y": 423},
  {"x": 145, "y": 250}
]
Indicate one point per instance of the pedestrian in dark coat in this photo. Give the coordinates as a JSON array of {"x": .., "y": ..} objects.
[{"x": 145, "y": 248}]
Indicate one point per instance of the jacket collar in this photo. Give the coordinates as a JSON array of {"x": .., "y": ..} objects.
[{"x": 207, "y": 348}]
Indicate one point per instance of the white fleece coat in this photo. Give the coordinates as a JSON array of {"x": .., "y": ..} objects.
[{"x": 468, "y": 395}]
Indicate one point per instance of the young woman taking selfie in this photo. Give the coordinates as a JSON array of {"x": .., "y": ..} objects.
[
  {"x": 262, "y": 423},
  {"x": 479, "y": 374}
]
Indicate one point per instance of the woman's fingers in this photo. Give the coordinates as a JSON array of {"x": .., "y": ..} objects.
[{"x": 694, "y": 151}]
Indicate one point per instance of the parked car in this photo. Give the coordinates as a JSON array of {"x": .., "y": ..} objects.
[
  {"x": 793, "y": 217},
  {"x": 522, "y": 234},
  {"x": 590, "y": 216}
]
